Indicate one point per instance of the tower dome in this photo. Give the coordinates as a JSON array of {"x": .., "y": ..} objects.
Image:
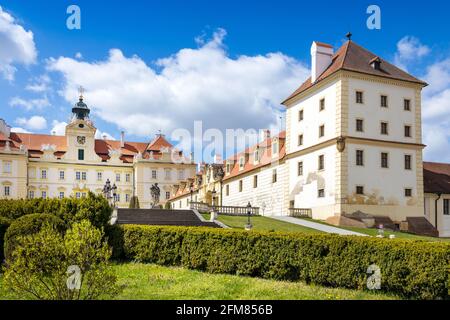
[{"x": 80, "y": 110}]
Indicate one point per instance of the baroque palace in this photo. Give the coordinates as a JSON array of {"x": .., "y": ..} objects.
[
  {"x": 352, "y": 147},
  {"x": 36, "y": 165}
]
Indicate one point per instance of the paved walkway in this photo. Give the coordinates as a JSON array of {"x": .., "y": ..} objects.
[{"x": 319, "y": 226}]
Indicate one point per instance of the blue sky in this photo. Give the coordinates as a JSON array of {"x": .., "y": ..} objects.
[{"x": 163, "y": 64}]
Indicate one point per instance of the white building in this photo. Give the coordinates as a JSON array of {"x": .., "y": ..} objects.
[{"x": 353, "y": 144}]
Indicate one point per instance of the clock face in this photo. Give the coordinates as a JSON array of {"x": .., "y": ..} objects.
[{"x": 81, "y": 140}]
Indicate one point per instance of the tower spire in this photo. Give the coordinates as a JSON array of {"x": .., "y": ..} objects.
[{"x": 81, "y": 91}]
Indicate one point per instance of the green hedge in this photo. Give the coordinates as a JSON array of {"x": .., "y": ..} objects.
[
  {"x": 95, "y": 208},
  {"x": 413, "y": 269},
  {"x": 4, "y": 224},
  {"x": 28, "y": 225}
]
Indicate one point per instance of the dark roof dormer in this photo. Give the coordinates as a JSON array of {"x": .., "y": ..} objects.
[{"x": 375, "y": 63}]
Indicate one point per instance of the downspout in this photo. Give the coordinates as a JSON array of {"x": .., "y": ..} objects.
[{"x": 435, "y": 209}]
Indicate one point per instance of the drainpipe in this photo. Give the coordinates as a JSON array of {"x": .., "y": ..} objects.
[{"x": 435, "y": 209}]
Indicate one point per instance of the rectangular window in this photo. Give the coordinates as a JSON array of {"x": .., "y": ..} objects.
[
  {"x": 408, "y": 192},
  {"x": 241, "y": 162},
  {"x": 78, "y": 195},
  {"x": 359, "y": 157},
  {"x": 227, "y": 190},
  {"x": 127, "y": 197},
  {"x": 80, "y": 154},
  {"x": 167, "y": 174},
  {"x": 167, "y": 195},
  {"x": 99, "y": 176},
  {"x": 300, "y": 140},
  {"x": 321, "y": 162},
  {"x": 407, "y": 105},
  {"x": 322, "y": 104},
  {"x": 321, "y": 193},
  {"x": 127, "y": 177},
  {"x": 408, "y": 131},
  {"x": 61, "y": 195},
  {"x": 61, "y": 175},
  {"x": 240, "y": 186},
  {"x": 321, "y": 131},
  {"x": 359, "y": 97},
  {"x": 255, "y": 181},
  {"x": 300, "y": 115},
  {"x": 359, "y": 125},
  {"x": 228, "y": 168},
  {"x": 7, "y": 191},
  {"x": 44, "y": 194},
  {"x": 117, "y": 177},
  {"x": 384, "y": 160},
  {"x": 274, "y": 176},
  {"x": 300, "y": 168},
  {"x": 31, "y": 194},
  {"x": 118, "y": 197},
  {"x": 83, "y": 176},
  {"x": 384, "y": 101},
  {"x": 153, "y": 174},
  {"x": 43, "y": 174},
  {"x": 275, "y": 147},
  {"x": 6, "y": 167},
  {"x": 78, "y": 175},
  {"x": 447, "y": 207},
  {"x": 384, "y": 128},
  {"x": 407, "y": 162},
  {"x": 360, "y": 190}
]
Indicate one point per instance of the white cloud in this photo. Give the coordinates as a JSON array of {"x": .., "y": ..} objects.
[
  {"x": 436, "y": 112},
  {"x": 78, "y": 55},
  {"x": 33, "y": 123},
  {"x": 58, "y": 128},
  {"x": 39, "y": 84},
  {"x": 409, "y": 49},
  {"x": 194, "y": 84},
  {"x": 100, "y": 134},
  {"x": 19, "y": 130},
  {"x": 29, "y": 104},
  {"x": 17, "y": 45}
]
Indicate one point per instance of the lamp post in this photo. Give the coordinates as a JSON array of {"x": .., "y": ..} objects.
[
  {"x": 107, "y": 190},
  {"x": 213, "y": 211},
  {"x": 248, "y": 226},
  {"x": 114, "y": 189}
]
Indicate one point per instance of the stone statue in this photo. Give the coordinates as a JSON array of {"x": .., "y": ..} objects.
[{"x": 155, "y": 192}]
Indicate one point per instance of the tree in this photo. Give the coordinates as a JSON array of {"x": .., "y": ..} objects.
[{"x": 50, "y": 266}]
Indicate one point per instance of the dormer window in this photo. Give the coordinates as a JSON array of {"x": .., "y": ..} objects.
[
  {"x": 275, "y": 146},
  {"x": 228, "y": 168},
  {"x": 241, "y": 163},
  {"x": 375, "y": 63},
  {"x": 256, "y": 155}
]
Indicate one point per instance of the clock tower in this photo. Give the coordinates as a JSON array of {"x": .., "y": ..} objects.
[{"x": 80, "y": 134}]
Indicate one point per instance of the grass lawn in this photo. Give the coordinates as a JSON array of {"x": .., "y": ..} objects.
[
  {"x": 153, "y": 282},
  {"x": 374, "y": 232},
  {"x": 261, "y": 224}
]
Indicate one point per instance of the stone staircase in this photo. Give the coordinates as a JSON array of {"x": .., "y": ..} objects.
[
  {"x": 421, "y": 226},
  {"x": 160, "y": 217}
]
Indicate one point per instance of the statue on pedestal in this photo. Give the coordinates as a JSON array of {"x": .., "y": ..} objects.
[{"x": 155, "y": 192}]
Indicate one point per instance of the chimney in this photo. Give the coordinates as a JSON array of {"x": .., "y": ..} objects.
[
  {"x": 122, "y": 139},
  {"x": 321, "y": 54},
  {"x": 218, "y": 159},
  {"x": 104, "y": 136}
]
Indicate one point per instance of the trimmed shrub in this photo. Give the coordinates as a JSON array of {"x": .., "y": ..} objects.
[
  {"x": 413, "y": 269},
  {"x": 4, "y": 224},
  {"x": 115, "y": 238},
  {"x": 28, "y": 225},
  {"x": 95, "y": 208}
]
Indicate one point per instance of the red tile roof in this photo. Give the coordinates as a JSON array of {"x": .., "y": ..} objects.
[
  {"x": 34, "y": 142},
  {"x": 352, "y": 57},
  {"x": 265, "y": 157},
  {"x": 436, "y": 177}
]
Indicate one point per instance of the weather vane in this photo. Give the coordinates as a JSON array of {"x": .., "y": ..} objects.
[
  {"x": 81, "y": 91},
  {"x": 349, "y": 36}
]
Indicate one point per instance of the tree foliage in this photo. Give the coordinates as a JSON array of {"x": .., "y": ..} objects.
[{"x": 49, "y": 265}]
